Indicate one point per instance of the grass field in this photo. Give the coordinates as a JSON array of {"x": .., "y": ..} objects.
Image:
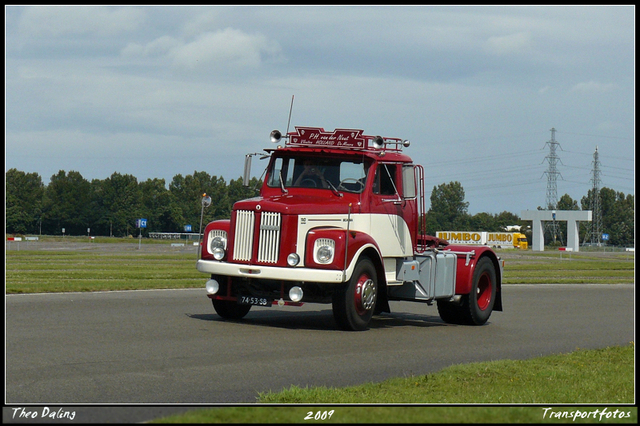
[
  {"x": 526, "y": 388},
  {"x": 72, "y": 264},
  {"x": 59, "y": 271},
  {"x": 557, "y": 379},
  {"x": 587, "y": 267},
  {"x": 583, "y": 377}
]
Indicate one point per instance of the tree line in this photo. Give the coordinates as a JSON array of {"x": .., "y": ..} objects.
[
  {"x": 112, "y": 205},
  {"x": 449, "y": 211}
]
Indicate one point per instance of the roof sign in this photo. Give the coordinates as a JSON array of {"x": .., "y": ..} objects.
[{"x": 316, "y": 136}]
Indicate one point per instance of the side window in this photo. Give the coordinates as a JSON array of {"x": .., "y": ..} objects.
[
  {"x": 287, "y": 174},
  {"x": 281, "y": 168},
  {"x": 409, "y": 181},
  {"x": 385, "y": 180},
  {"x": 274, "y": 176}
]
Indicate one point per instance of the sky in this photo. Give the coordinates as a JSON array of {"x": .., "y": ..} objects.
[{"x": 157, "y": 91}]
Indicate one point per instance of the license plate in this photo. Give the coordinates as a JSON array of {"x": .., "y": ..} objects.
[{"x": 251, "y": 300}]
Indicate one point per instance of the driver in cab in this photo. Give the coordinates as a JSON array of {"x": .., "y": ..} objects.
[{"x": 311, "y": 176}]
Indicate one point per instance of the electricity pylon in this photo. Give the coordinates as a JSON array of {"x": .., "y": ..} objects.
[{"x": 552, "y": 185}]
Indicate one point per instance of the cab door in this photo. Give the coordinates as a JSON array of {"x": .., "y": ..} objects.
[{"x": 393, "y": 214}]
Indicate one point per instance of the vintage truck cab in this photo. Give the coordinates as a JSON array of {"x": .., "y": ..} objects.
[{"x": 339, "y": 220}]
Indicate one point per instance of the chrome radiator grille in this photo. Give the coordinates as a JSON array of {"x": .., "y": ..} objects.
[
  {"x": 268, "y": 237},
  {"x": 243, "y": 244}
]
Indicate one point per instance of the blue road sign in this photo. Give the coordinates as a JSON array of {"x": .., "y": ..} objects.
[
  {"x": 141, "y": 223},
  {"x": 187, "y": 228},
  {"x": 605, "y": 237}
]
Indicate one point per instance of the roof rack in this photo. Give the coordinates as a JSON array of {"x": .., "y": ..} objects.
[{"x": 339, "y": 138}]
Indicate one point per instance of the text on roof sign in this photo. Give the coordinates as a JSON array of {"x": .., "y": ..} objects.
[{"x": 317, "y": 136}]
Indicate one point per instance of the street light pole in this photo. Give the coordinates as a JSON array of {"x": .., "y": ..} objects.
[{"x": 206, "y": 202}]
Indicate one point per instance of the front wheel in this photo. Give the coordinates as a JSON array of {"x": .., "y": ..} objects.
[
  {"x": 354, "y": 304},
  {"x": 475, "y": 307},
  {"x": 228, "y": 309}
]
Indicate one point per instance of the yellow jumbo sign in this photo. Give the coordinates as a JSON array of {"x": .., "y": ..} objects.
[
  {"x": 488, "y": 238},
  {"x": 499, "y": 238},
  {"x": 461, "y": 237}
]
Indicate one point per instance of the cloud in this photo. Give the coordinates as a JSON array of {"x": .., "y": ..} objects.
[
  {"x": 226, "y": 48},
  {"x": 592, "y": 86},
  {"x": 512, "y": 43},
  {"x": 57, "y": 21},
  {"x": 138, "y": 84},
  {"x": 158, "y": 47},
  {"x": 609, "y": 125}
]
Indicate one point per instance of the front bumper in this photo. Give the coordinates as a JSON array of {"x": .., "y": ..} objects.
[{"x": 299, "y": 274}]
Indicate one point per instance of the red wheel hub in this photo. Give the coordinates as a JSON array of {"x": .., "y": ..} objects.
[
  {"x": 365, "y": 294},
  {"x": 484, "y": 292}
]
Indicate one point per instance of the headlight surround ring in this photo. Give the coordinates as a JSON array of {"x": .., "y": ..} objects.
[
  {"x": 217, "y": 244},
  {"x": 324, "y": 251}
]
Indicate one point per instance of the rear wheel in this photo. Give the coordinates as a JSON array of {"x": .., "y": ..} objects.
[
  {"x": 475, "y": 307},
  {"x": 354, "y": 304},
  {"x": 229, "y": 309}
]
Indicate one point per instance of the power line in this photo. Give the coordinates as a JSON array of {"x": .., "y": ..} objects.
[
  {"x": 492, "y": 157},
  {"x": 597, "y": 136}
]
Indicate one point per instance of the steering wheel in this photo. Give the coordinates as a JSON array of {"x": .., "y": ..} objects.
[
  {"x": 351, "y": 180},
  {"x": 309, "y": 183}
]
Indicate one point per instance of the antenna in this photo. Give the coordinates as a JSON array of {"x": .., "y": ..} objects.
[{"x": 290, "y": 110}]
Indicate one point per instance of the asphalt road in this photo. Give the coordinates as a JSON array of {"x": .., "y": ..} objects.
[{"x": 169, "y": 347}]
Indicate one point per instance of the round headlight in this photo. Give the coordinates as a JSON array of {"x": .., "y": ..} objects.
[
  {"x": 324, "y": 254},
  {"x": 218, "y": 245},
  {"x": 218, "y": 253},
  {"x": 218, "y": 242},
  {"x": 293, "y": 259},
  {"x": 212, "y": 286},
  {"x": 295, "y": 294}
]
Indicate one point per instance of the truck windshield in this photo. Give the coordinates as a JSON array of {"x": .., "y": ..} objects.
[{"x": 311, "y": 172}]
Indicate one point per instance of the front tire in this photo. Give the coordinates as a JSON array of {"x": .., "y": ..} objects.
[
  {"x": 475, "y": 307},
  {"x": 355, "y": 303},
  {"x": 228, "y": 309}
]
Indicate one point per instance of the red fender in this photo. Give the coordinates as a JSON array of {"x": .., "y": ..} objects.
[
  {"x": 356, "y": 241},
  {"x": 466, "y": 265},
  {"x": 221, "y": 225}
]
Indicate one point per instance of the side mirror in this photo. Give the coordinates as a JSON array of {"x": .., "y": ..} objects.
[{"x": 246, "y": 177}]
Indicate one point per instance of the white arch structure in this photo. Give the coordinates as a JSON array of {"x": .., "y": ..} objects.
[{"x": 572, "y": 217}]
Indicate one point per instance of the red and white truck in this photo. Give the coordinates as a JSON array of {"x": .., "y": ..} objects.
[{"x": 340, "y": 219}]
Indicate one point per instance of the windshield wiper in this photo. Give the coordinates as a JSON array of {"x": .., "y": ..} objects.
[
  {"x": 334, "y": 189},
  {"x": 284, "y": 190}
]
